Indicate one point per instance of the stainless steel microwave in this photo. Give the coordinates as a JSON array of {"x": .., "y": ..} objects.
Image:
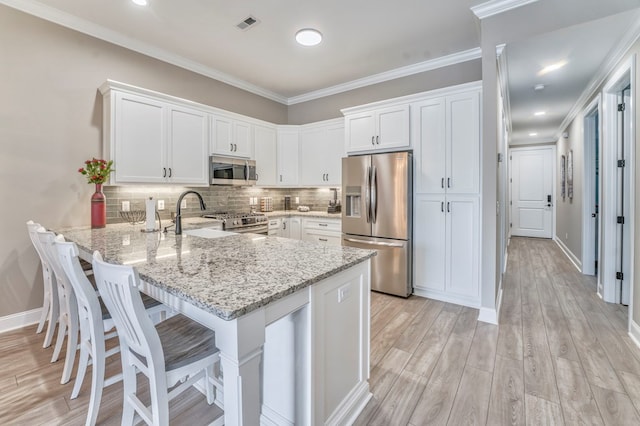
[{"x": 231, "y": 171}]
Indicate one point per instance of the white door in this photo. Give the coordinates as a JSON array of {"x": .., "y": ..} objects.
[
  {"x": 532, "y": 192},
  {"x": 188, "y": 158}
]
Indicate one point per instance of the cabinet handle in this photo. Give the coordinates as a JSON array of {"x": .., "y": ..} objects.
[
  {"x": 257, "y": 176},
  {"x": 442, "y": 206},
  {"x": 235, "y": 147},
  {"x": 448, "y": 182},
  {"x": 164, "y": 172},
  {"x": 373, "y": 142},
  {"x": 231, "y": 147},
  {"x": 322, "y": 239},
  {"x": 170, "y": 173},
  {"x": 327, "y": 177},
  {"x": 377, "y": 140},
  {"x": 448, "y": 207},
  {"x": 323, "y": 224},
  {"x": 442, "y": 183},
  {"x": 284, "y": 225}
]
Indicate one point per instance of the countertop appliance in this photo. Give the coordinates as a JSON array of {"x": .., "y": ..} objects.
[
  {"x": 255, "y": 223},
  {"x": 231, "y": 171},
  {"x": 377, "y": 194}
]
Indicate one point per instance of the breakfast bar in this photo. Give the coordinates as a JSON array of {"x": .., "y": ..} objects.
[{"x": 291, "y": 317}]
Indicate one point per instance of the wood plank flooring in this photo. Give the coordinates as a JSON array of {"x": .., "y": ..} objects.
[{"x": 559, "y": 356}]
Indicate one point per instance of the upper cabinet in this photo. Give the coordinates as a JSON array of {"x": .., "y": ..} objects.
[
  {"x": 446, "y": 135},
  {"x": 287, "y": 152},
  {"x": 154, "y": 141},
  {"x": 231, "y": 136},
  {"x": 321, "y": 152},
  {"x": 378, "y": 129},
  {"x": 265, "y": 154}
]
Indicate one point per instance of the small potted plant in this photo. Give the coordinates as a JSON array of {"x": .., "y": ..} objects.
[{"x": 97, "y": 172}]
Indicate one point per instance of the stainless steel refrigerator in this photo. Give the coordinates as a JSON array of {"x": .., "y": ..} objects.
[{"x": 377, "y": 195}]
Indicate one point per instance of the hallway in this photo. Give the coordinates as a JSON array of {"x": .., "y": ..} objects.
[{"x": 560, "y": 355}]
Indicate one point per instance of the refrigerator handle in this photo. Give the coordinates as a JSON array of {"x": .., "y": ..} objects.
[
  {"x": 367, "y": 194},
  {"x": 374, "y": 194},
  {"x": 373, "y": 243}
]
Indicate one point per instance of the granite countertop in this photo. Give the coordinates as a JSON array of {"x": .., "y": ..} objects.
[
  {"x": 316, "y": 214},
  {"x": 228, "y": 276}
]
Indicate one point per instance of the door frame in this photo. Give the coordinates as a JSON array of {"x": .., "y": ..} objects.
[
  {"x": 620, "y": 78},
  {"x": 553, "y": 182},
  {"x": 588, "y": 233}
]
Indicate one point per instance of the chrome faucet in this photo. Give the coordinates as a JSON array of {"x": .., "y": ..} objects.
[{"x": 178, "y": 210}]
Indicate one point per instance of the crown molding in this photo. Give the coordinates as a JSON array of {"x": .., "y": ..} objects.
[
  {"x": 503, "y": 81},
  {"x": 607, "y": 67},
  {"x": 443, "y": 61},
  {"x": 67, "y": 20},
  {"x": 495, "y": 7}
]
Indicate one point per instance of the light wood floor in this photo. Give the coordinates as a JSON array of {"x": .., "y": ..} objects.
[{"x": 559, "y": 356}]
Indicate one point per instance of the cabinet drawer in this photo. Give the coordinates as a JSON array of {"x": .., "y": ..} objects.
[
  {"x": 323, "y": 224},
  {"x": 274, "y": 224},
  {"x": 331, "y": 238}
]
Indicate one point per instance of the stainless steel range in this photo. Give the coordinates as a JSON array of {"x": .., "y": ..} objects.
[{"x": 255, "y": 223}]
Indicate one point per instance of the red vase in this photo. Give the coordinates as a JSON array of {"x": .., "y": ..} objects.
[{"x": 98, "y": 208}]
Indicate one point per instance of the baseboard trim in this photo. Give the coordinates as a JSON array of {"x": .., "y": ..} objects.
[
  {"x": 471, "y": 302},
  {"x": 634, "y": 333},
  {"x": 572, "y": 257},
  {"x": 19, "y": 320}
]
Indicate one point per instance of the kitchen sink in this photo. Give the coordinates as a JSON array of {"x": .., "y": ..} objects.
[{"x": 208, "y": 233}]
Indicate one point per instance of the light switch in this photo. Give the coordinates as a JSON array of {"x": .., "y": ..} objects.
[
  {"x": 160, "y": 204},
  {"x": 126, "y": 206}
]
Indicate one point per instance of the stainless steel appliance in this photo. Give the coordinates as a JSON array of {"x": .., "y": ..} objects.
[
  {"x": 377, "y": 214},
  {"x": 255, "y": 223},
  {"x": 231, "y": 171}
]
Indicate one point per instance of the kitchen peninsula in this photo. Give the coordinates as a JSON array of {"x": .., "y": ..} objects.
[{"x": 291, "y": 317}]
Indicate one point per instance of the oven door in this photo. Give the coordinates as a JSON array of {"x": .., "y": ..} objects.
[
  {"x": 262, "y": 229},
  {"x": 232, "y": 171}
]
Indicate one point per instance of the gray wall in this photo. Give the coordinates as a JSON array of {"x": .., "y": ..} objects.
[
  {"x": 50, "y": 122},
  {"x": 329, "y": 107}
]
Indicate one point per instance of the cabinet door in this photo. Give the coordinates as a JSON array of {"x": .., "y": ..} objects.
[
  {"x": 462, "y": 251},
  {"x": 429, "y": 249},
  {"x": 285, "y": 229},
  {"x": 242, "y": 139},
  {"x": 334, "y": 151},
  {"x": 360, "y": 131},
  {"x": 428, "y": 131},
  {"x": 265, "y": 149},
  {"x": 222, "y": 130},
  {"x": 188, "y": 146},
  {"x": 313, "y": 157},
  {"x": 463, "y": 143},
  {"x": 140, "y": 138},
  {"x": 288, "y": 158},
  {"x": 393, "y": 127},
  {"x": 295, "y": 228}
]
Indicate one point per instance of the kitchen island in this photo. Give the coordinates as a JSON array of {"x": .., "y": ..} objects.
[{"x": 291, "y": 317}]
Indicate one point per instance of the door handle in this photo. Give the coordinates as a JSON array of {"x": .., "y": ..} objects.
[
  {"x": 377, "y": 140},
  {"x": 442, "y": 183},
  {"x": 442, "y": 206},
  {"x": 593, "y": 215},
  {"x": 373, "y": 140},
  {"x": 448, "y": 207},
  {"x": 448, "y": 182},
  {"x": 170, "y": 172},
  {"x": 373, "y": 243},
  {"x": 164, "y": 172},
  {"x": 374, "y": 194}
]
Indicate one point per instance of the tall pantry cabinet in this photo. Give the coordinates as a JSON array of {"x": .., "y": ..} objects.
[{"x": 446, "y": 139}]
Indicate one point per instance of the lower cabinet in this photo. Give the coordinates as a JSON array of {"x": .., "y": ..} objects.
[
  {"x": 291, "y": 227},
  {"x": 446, "y": 248},
  {"x": 326, "y": 231},
  {"x": 274, "y": 226}
]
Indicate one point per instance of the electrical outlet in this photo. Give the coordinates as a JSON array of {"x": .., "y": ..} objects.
[
  {"x": 126, "y": 240},
  {"x": 126, "y": 206},
  {"x": 183, "y": 204},
  {"x": 160, "y": 204},
  {"x": 297, "y": 200},
  {"x": 344, "y": 293}
]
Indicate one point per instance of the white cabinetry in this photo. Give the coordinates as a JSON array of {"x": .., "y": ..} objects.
[
  {"x": 326, "y": 231},
  {"x": 446, "y": 133},
  {"x": 231, "y": 136},
  {"x": 446, "y": 139},
  {"x": 383, "y": 128},
  {"x": 154, "y": 141},
  {"x": 287, "y": 156},
  {"x": 321, "y": 152},
  {"x": 274, "y": 226},
  {"x": 291, "y": 227},
  {"x": 265, "y": 154}
]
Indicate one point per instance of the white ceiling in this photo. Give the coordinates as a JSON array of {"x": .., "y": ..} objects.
[
  {"x": 586, "y": 48},
  {"x": 363, "y": 39}
]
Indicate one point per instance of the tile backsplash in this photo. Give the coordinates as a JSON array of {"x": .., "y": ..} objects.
[{"x": 217, "y": 198}]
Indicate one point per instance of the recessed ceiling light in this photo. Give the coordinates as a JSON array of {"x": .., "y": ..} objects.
[
  {"x": 538, "y": 87},
  {"x": 539, "y": 113},
  {"x": 308, "y": 37},
  {"x": 140, "y": 2},
  {"x": 552, "y": 67},
  {"x": 533, "y": 134}
]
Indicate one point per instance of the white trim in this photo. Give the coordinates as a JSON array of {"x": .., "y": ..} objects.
[
  {"x": 81, "y": 25},
  {"x": 469, "y": 301},
  {"x": 572, "y": 257},
  {"x": 489, "y": 315},
  {"x": 443, "y": 61},
  {"x": 503, "y": 81},
  {"x": 616, "y": 54},
  {"x": 19, "y": 320},
  {"x": 632, "y": 182},
  {"x": 269, "y": 417},
  {"x": 634, "y": 332},
  {"x": 495, "y": 7}
]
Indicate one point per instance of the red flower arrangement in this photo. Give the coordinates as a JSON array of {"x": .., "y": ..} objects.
[{"x": 96, "y": 170}]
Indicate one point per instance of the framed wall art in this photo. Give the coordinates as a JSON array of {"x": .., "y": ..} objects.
[
  {"x": 563, "y": 176},
  {"x": 570, "y": 175}
]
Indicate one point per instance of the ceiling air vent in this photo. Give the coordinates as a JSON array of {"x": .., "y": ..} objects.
[{"x": 247, "y": 23}]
